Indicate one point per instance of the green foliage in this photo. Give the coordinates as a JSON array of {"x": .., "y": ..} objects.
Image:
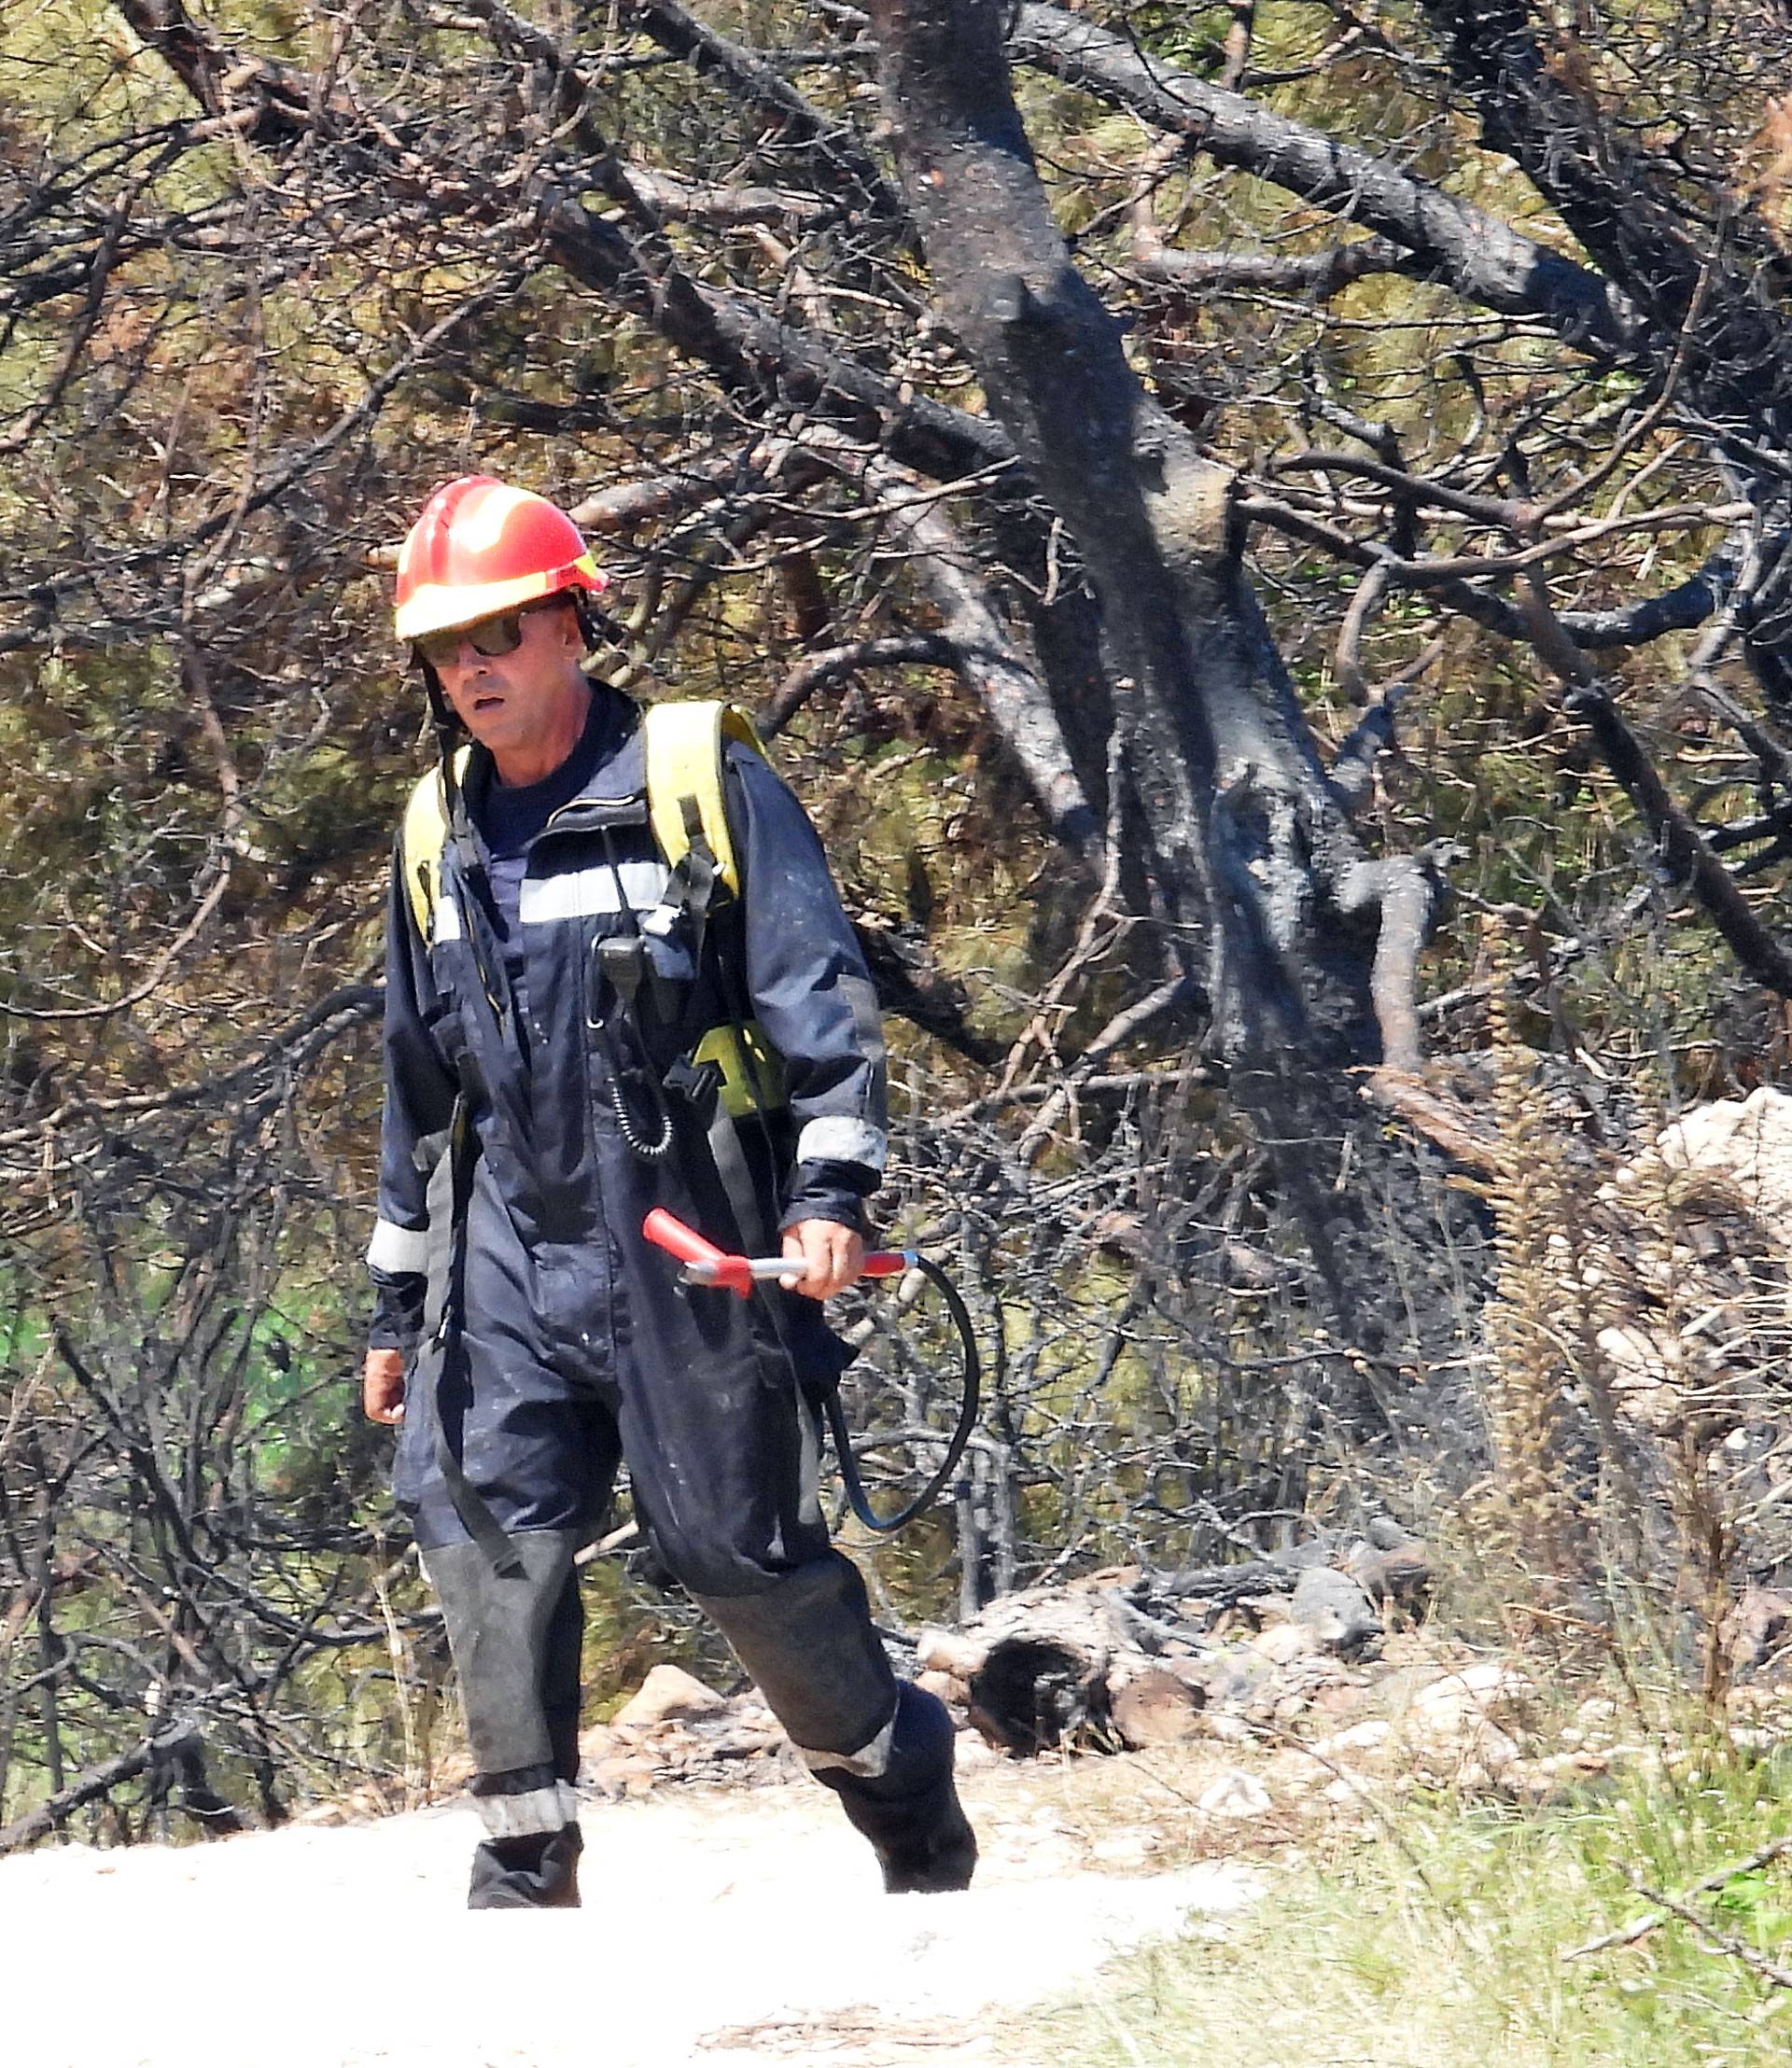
[{"x": 205, "y": 734}]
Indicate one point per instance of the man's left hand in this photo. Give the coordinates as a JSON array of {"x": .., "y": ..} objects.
[{"x": 836, "y": 1257}]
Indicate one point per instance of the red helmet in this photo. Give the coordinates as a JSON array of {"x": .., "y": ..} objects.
[{"x": 481, "y": 547}]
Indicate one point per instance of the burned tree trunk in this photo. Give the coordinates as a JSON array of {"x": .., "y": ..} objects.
[
  {"x": 1265, "y": 900},
  {"x": 1252, "y": 849}
]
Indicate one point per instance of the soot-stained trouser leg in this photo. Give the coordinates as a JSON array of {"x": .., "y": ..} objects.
[
  {"x": 909, "y": 1807},
  {"x": 724, "y": 1472},
  {"x": 539, "y": 1449},
  {"x": 883, "y": 1747},
  {"x": 807, "y": 1640},
  {"x": 515, "y": 1639}
]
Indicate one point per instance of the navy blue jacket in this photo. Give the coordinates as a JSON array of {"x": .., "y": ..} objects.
[{"x": 539, "y": 1097}]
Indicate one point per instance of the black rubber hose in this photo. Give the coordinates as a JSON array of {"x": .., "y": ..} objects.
[{"x": 858, "y": 1500}]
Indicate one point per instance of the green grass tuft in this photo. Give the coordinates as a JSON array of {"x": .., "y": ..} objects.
[{"x": 1438, "y": 1943}]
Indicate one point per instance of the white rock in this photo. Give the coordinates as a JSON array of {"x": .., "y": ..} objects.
[
  {"x": 1485, "y": 1689},
  {"x": 667, "y": 1695},
  {"x": 1126, "y": 1849},
  {"x": 1235, "y": 1794},
  {"x": 976, "y": 1751},
  {"x": 1369, "y": 1736},
  {"x": 1747, "y": 1140},
  {"x": 1635, "y": 1354},
  {"x": 1281, "y": 1643},
  {"x": 939, "y": 1651},
  {"x": 1494, "y": 1750},
  {"x": 1230, "y": 1730}
]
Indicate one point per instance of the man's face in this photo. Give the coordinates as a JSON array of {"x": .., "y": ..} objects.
[{"x": 507, "y": 701}]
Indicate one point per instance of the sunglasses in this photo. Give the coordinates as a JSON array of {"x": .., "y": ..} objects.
[{"x": 490, "y": 636}]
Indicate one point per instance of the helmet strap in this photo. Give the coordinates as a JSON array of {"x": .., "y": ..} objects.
[
  {"x": 448, "y": 729},
  {"x": 597, "y": 626}
]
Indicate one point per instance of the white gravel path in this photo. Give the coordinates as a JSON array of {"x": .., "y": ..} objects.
[{"x": 717, "y": 1927}]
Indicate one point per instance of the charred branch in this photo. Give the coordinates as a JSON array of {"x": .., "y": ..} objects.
[
  {"x": 1681, "y": 608},
  {"x": 988, "y": 660},
  {"x": 1685, "y": 855},
  {"x": 908, "y": 985},
  {"x": 819, "y": 671},
  {"x": 796, "y": 123},
  {"x": 1619, "y": 206},
  {"x": 1482, "y": 259},
  {"x": 1353, "y": 764},
  {"x": 1316, "y": 274},
  {"x": 1718, "y": 288},
  {"x": 171, "y": 1746}
]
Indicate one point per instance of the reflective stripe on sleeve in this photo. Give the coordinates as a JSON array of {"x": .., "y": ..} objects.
[
  {"x": 577, "y": 893},
  {"x": 444, "y": 924},
  {"x": 834, "y": 1140},
  {"x": 396, "y": 1250}
]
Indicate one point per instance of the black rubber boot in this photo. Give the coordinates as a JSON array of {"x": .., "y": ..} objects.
[
  {"x": 538, "y": 1872},
  {"x": 911, "y": 1812}
]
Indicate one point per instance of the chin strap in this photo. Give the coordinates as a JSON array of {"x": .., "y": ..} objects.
[{"x": 448, "y": 729}]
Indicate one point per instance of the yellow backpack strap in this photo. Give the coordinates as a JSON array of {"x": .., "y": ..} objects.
[
  {"x": 686, "y": 742},
  {"x": 425, "y": 830},
  {"x": 752, "y": 1070}
]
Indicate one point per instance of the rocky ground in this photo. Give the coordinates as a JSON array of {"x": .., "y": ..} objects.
[
  {"x": 1281, "y": 1732},
  {"x": 731, "y": 1915}
]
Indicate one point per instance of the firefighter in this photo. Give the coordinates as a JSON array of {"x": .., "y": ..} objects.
[{"x": 578, "y": 1028}]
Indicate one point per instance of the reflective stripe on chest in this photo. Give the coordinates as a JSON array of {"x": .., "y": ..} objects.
[{"x": 578, "y": 894}]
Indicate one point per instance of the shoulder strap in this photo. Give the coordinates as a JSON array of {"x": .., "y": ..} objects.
[
  {"x": 686, "y": 743},
  {"x": 425, "y": 828}
]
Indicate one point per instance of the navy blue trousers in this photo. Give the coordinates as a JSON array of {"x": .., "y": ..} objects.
[{"x": 570, "y": 1359}]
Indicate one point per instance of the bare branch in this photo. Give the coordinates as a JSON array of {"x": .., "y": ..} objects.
[
  {"x": 1483, "y": 258},
  {"x": 816, "y": 671},
  {"x": 985, "y": 655},
  {"x": 1404, "y": 892},
  {"x": 1639, "y": 1927},
  {"x": 676, "y": 200},
  {"x": 1686, "y": 855},
  {"x": 1315, "y": 274},
  {"x": 1352, "y": 768},
  {"x": 97, "y": 1781},
  {"x": 677, "y": 29}
]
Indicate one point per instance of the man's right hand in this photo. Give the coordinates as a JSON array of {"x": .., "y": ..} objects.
[{"x": 382, "y": 1386}]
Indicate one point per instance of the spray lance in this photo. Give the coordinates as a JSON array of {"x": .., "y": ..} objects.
[{"x": 706, "y": 1264}]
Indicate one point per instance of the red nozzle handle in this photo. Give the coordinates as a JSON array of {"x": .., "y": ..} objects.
[
  {"x": 686, "y": 1244},
  {"x": 736, "y": 1272},
  {"x": 691, "y": 1249}
]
